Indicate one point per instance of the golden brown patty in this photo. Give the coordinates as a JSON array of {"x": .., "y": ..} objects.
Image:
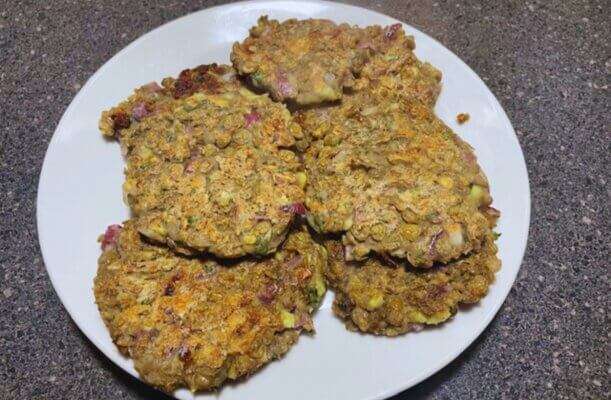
[
  {"x": 206, "y": 166},
  {"x": 195, "y": 322},
  {"x": 391, "y": 176},
  {"x": 383, "y": 298},
  {"x": 303, "y": 61}
]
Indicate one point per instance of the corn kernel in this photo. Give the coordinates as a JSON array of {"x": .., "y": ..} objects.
[{"x": 249, "y": 238}]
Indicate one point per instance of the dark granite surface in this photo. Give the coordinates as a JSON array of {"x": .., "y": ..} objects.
[{"x": 547, "y": 62}]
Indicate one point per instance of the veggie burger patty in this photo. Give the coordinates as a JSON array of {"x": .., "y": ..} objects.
[
  {"x": 196, "y": 322},
  {"x": 384, "y": 298},
  {"x": 208, "y": 164},
  {"x": 393, "y": 179}
]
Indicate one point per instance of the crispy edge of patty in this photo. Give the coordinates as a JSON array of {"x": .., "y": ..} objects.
[
  {"x": 383, "y": 296},
  {"x": 206, "y": 78}
]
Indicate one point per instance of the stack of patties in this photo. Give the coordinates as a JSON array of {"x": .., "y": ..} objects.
[
  {"x": 242, "y": 211},
  {"x": 399, "y": 197},
  {"x": 207, "y": 281}
]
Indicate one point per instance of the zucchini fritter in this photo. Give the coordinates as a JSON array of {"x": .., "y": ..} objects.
[
  {"x": 379, "y": 297},
  {"x": 302, "y": 61},
  {"x": 196, "y": 322},
  {"x": 394, "y": 179},
  {"x": 312, "y": 61},
  {"x": 207, "y": 164}
]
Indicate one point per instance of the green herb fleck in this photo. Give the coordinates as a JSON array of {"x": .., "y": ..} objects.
[
  {"x": 312, "y": 296},
  {"x": 189, "y": 107},
  {"x": 191, "y": 219},
  {"x": 497, "y": 235},
  {"x": 262, "y": 246},
  {"x": 258, "y": 77}
]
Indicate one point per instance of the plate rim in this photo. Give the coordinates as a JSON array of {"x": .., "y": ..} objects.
[{"x": 408, "y": 383}]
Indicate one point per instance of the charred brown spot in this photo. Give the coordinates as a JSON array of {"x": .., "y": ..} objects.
[
  {"x": 182, "y": 88},
  {"x": 200, "y": 70},
  {"x": 214, "y": 68},
  {"x": 120, "y": 120},
  {"x": 202, "y": 77}
]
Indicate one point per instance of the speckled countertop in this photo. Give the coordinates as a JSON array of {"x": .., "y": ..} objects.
[{"x": 547, "y": 62}]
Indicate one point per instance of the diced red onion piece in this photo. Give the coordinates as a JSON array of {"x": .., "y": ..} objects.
[
  {"x": 417, "y": 327},
  {"x": 434, "y": 238},
  {"x": 252, "y": 117},
  {"x": 284, "y": 86},
  {"x": 109, "y": 236},
  {"x": 139, "y": 111},
  {"x": 440, "y": 291},
  {"x": 297, "y": 208},
  {"x": 269, "y": 293},
  {"x": 470, "y": 156},
  {"x": 391, "y": 31}
]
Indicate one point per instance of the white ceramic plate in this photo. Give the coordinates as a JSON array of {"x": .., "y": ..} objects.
[{"x": 80, "y": 194}]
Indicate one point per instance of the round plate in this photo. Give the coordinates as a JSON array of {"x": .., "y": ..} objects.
[{"x": 80, "y": 194}]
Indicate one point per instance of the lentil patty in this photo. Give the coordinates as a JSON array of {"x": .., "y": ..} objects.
[
  {"x": 394, "y": 179},
  {"x": 304, "y": 61},
  {"x": 383, "y": 298},
  {"x": 196, "y": 322},
  {"x": 207, "y": 164}
]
